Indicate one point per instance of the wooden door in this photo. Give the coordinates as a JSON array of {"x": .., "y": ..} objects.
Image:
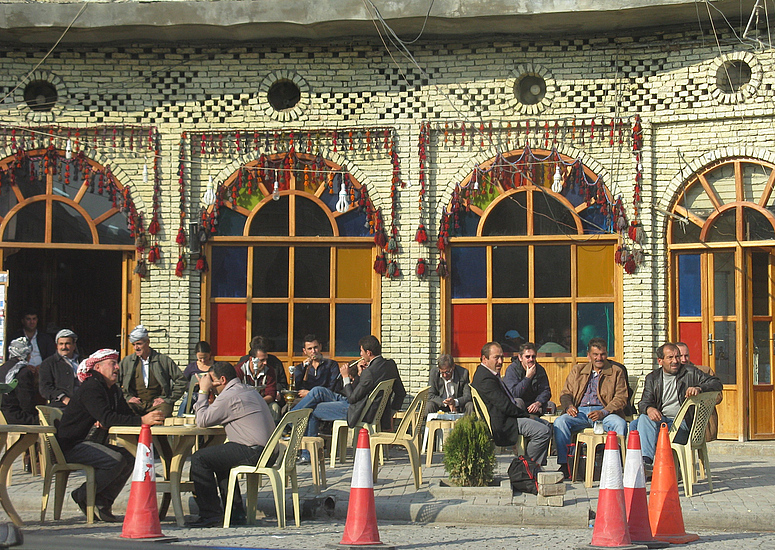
[{"x": 760, "y": 273}]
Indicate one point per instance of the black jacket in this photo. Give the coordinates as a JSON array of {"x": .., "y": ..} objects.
[
  {"x": 503, "y": 412},
  {"x": 378, "y": 370},
  {"x": 686, "y": 378},
  {"x": 93, "y": 401},
  {"x": 462, "y": 384},
  {"x": 57, "y": 380},
  {"x": 19, "y": 405}
]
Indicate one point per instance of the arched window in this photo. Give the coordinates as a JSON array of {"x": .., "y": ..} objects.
[
  {"x": 721, "y": 235},
  {"x": 530, "y": 264},
  {"x": 286, "y": 262},
  {"x": 45, "y": 198}
]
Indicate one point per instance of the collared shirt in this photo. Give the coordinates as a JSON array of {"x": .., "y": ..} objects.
[
  {"x": 242, "y": 412},
  {"x": 590, "y": 398},
  {"x": 449, "y": 388},
  {"x": 73, "y": 363},
  {"x": 35, "y": 357},
  {"x": 146, "y": 365}
]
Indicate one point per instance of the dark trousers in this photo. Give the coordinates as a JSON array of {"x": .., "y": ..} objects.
[
  {"x": 210, "y": 469},
  {"x": 112, "y": 467}
]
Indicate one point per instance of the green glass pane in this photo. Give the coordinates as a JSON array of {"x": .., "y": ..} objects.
[
  {"x": 595, "y": 320},
  {"x": 248, "y": 201},
  {"x": 484, "y": 196}
]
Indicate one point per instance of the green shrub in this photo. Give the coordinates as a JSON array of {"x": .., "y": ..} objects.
[{"x": 469, "y": 454}]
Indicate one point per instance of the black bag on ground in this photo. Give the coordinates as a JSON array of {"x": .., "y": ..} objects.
[{"x": 523, "y": 475}]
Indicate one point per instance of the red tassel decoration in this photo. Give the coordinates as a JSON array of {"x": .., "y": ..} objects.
[
  {"x": 201, "y": 264},
  {"x": 152, "y": 255},
  {"x": 181, "y": 238},
  {"x": 421, "y": 236},
  {"x": 635, "y": 232},
  {"x": 392, "y": 245},
  {"x": 421, "y": 269},
  {"x": 181, "y": 265},
  {"x": 153, "y": 227},
  {"x": 630, "y": 266},
  {"x": 380, "y": 239},
  {"x": 618, "y": 255},
  {"x": 379, "y": 264}
]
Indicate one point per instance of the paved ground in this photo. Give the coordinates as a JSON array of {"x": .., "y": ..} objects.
[{"x": 742, "y": 504}]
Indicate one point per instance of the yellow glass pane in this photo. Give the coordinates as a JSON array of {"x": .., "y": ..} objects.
[
  {"x": 595, "y": 270},
  {"x": 353, "y": 272}
]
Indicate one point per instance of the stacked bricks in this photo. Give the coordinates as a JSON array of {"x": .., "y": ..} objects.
[{"x": 551, "y": 489}]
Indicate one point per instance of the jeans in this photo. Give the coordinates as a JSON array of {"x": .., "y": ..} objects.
[
  {"x": 112, "y": 467},
  {"x": 566, "y": 425},
  {"x": 326, "y": 406},
  {"x": 649, "y": 432},
  {"x": 210, "y": 469}
]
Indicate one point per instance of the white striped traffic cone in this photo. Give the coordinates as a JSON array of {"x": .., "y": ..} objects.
[
  {"x": 611, "y": 520},
  {"x": 361, "y": 526},
  {"x": 635, "y": 495}
]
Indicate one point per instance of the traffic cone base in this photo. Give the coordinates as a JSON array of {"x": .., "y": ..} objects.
[
  {"x": 665, "y": 516},
  {"x": 635, "y": 499},
  {"x": 360, "y": 529},
  {"x": 625, "y": 547},
  {"x": 611, "y": 530}
]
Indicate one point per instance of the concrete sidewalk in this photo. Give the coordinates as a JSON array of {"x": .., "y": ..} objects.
[{"x": 743, "y": 498}]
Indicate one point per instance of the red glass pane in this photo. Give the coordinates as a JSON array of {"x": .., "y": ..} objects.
[
  {"x": 228, "y": 328},
  {"x": 469, "y": 329},
  {"x": 690, "y": 333}
]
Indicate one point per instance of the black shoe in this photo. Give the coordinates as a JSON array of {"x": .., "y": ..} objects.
[
  {"x": 565, "y": 471},
  {"x": 81, "y": 503},
  {"x": 239, "y": 520},
  {"x": 106, "y": 514},
  {"x": 205, "y": 522}
]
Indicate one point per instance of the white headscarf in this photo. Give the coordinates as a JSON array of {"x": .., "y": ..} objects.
[{"x": 139, "y": 333}]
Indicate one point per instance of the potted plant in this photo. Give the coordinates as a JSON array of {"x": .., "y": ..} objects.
[{"x": 469, "y": 453}]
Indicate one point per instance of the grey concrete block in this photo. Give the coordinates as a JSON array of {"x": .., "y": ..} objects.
[
  {"x": 557, "y": 500},
  {"x": 549, "y": 478}
]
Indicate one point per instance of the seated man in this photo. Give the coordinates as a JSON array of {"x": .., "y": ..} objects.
[
  {"x": 450, "y": 388},
  {"x": 82, "y": 433},
  {"x": 712, "y": 431},
  {"x": 149, "y": 379},
  {"x": 315, "y": 370},
  {"x": 58, "y": 373},
  {"x": 527, "y": 381},
  {"x": 256, "y": 372},
  {"x": 271, "y": 360},
  {"x": 508, "y": 420},
  {"x": 248, "y": 424},
  {"x": 664, "y": 391},
  {"x": 18, "y": 405},
  {"x": 595, "y": 391}
]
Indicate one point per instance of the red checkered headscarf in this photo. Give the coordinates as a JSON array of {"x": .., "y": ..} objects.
[{"x": 86, "y": 367}]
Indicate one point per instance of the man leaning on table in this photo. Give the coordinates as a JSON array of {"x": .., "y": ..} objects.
[
  {"x": 83, "y": 430},
  {"x": 248, "y": 422}
]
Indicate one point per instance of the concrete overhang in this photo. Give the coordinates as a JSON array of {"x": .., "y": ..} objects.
[{"x": 159, "y": 22}]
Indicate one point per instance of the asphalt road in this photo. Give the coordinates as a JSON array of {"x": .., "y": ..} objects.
[{"x": 315, "y": 535}]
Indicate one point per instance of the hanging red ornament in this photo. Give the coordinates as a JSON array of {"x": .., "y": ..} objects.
[
  {"x": 380, "y": 238},
  {"x": 630, "y": 266},
  {"x": 421, "y": 236},
  {"x": 181, "y": 266},
  {"x": 181, "y": 238},
  {"x": 380, "y": 266},
  {"x": 618, "y": 255},
  {"x": 152, "y": 255},
  {"x": 201, "y": 264},
  {"x": 635, "y": 232},
  {"x": 441, "y": 268},
  {"x": 421, "y": 269},
  {"x": 153, "y": 227},
  {"x": 392, "y": 245}
]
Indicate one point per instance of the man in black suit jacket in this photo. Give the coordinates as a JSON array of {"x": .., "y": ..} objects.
[
  {"x": 507, "y": 419},
  {"x": 43, "y": 345},
  {"x": 450, "y": 388},
  {"x": 373, "y": 369}
]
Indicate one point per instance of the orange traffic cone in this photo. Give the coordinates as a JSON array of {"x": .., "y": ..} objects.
[
  {"x": 361, "y": 526},
  {"x": 142, "y": 513},
  {"x": 667, "y": 521},
  {"x": 635, "y": 495},
  {"x": 611, "y": 529}
]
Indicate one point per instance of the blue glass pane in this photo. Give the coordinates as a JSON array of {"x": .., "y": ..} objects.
[
  {"x": 353, "y": 224},
  {"x": 595, "y": 321},
  {"x": 593, "y": 221},
  {"x": 229, "y": 271},
  {"x": 468, "y": 222},
  {"x": 230, "y": 223},
  {"x": 469, "y": 272},
  {"x": 353, "y": 321},
  {"x": 689, "y": 286}
]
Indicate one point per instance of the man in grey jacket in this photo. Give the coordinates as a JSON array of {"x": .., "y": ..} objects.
[
  {"x": 450, "y": 388},
  {"x": 150, "y": 380}
]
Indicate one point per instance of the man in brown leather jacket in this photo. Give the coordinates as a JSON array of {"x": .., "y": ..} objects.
[{"x": 595, "y": 391}]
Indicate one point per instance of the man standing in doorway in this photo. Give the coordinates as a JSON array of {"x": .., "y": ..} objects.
[
  {"x": 42, "y": 344},
  {"x": 149, "y": 379},
  {"x": 59, "y": 373}
]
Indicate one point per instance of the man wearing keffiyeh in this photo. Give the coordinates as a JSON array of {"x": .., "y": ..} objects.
[{"x": 99, "y": 403}]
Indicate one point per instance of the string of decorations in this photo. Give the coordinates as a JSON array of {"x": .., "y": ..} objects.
[
  {"x": 127, "y": 138},
  {"x": 27, "y": 166},
  {"x": 631, "y": 257},
  {"x": 421, "y": 235}
]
